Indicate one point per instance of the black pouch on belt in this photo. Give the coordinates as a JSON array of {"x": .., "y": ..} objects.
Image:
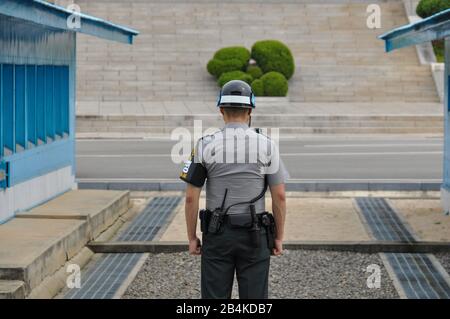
[
  {"x": 204, "y": 215},
  {"x": 240, "y": 220}
]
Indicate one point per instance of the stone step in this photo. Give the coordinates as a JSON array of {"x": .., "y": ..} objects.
[{"x": 36, "y": 244}]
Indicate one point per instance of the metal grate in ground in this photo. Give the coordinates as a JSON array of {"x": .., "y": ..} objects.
[
  {"x": 417, "y": 274},
  {"x": 106, "y": 276},
  {"x": 382, "y": 220}
]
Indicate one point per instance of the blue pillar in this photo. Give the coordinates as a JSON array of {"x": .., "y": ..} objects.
[{"x": 445, "y": 190}]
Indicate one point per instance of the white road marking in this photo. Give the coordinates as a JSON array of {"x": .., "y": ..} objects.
[
  {"x": 372, "y": 145},
  {"x": 361, "y": 153}
]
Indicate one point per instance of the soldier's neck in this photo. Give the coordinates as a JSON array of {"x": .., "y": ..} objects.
[{"x": 236, "y": 120}]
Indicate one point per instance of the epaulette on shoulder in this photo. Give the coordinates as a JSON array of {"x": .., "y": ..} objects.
[
  {"x": 260, "y": 131},
  {"x": 209, "y": 137}
]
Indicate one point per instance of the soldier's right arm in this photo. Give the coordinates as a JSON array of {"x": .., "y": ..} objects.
[{"x": 194, "y": 172}]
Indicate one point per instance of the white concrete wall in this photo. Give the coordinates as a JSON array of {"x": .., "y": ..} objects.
[
  {"x": 445, "y": 201},
  {"x": 34, "y": 192}
]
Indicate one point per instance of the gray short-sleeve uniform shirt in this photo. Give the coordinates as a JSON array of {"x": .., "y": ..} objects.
[{"x": 238, "y": 158}]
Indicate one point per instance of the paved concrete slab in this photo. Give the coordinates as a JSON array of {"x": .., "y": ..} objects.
[
  {"x": 308, "y": 219},
  {"x": 425, "y": 217},
  {"x": 321, "y": 218},
  {"x": 99, "y": 207}
]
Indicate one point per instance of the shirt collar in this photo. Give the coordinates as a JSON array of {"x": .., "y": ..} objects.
[{"x": 237, "y": 125}]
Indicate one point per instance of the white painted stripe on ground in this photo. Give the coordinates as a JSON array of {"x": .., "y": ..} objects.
[
  {"x": 361, "y": 153},
  {"x": 372, "y": 145}
]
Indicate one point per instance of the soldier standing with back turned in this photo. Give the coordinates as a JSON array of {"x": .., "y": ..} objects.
[{"x": 238, "y": 165}]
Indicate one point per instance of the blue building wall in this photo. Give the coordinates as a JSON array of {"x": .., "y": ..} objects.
[
  {"x": 37, "y": 107},
  {"x": 445, "y": 190}
]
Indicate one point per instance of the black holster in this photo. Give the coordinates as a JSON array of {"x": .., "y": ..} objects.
[{"x": 268, "y": 221}]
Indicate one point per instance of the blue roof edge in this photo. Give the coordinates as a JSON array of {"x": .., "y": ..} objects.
[
  {"x": 409, "y": 34},
  {"x": 49, "y": 14}
]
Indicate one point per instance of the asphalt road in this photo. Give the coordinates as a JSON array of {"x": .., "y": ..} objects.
[{"x": 337, "y": 159}]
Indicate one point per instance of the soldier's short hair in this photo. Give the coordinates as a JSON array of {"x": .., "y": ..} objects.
[{"x": 235, "y": 111}]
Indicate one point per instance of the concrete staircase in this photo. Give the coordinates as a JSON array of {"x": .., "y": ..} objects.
[
  {"x": 338, "y": 58},
  {"x": 36, "y": 246}
]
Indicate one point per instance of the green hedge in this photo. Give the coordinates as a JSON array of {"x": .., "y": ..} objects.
[
  {"x": 274, "y": 84},
  {"x": 234, "y": 75},
  {"x": 427, "y": 8},
  {"x": 258, "y": 87},
  {"x": 240, "y": 53},
  {"x": 272, "y": 55},
  {"x": 268, "y": 77},
  {"x": 216, "y": 67},
  {"x": 254, "y": 71}
]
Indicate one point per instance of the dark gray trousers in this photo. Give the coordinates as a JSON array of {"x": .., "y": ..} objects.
[{"x": 231, "y": 251}]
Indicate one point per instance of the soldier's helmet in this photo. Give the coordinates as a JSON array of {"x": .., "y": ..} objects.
[{"x": 236, "y": 93}]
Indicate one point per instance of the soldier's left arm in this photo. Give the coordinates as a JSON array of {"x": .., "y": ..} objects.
[{"x": 191, "y": 212}]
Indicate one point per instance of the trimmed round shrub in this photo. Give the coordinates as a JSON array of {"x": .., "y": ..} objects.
[
  {"x": 274, "y": 84},
  {"x": 427, "y": 8},
  {"x": 239, "y": 53},
  {"x": 254, "y": 71},
  {"x": 234, "y": 75},
  {"x": 258, "y": 87},
  {"x": 216, "y": 67},
  {"x": 272, "y": 55}
]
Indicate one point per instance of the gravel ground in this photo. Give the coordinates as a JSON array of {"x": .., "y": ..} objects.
[
  {"x": 297, "y": 274},
  {"x": 444, "y": 259}
]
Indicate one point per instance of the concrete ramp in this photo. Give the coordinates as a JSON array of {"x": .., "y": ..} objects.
[{"x": 37, "y": 243}]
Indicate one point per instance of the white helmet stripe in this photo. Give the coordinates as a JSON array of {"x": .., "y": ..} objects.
[{"x": 235, "y": 99}]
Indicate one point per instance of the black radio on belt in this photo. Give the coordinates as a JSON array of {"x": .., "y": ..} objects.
[
  {"x": 217, "y": 217},
  {"x": 215, "y": 222}
]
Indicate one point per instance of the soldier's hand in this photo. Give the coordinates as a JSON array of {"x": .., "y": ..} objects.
[
  {"x": 278, "y": 249},
  {"x": 195, "y": 246}
]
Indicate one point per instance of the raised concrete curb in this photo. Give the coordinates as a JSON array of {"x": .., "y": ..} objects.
[
  {"x": 12, "y": 289},
  {"x": 438, "y": 69},
  {"x": 369, "y": 247},
  {"x": 176, "y": 185}
]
